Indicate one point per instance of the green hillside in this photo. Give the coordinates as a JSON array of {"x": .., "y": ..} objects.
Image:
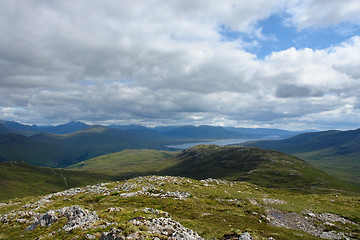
[
  {"x": 161, "y": 207},
  {"x": 240, "y": 191},
  {"x": 263, "y": 167},
  {"x": 336, "y": 152},
  {"x": 18, "y": 179},
  {"x": 135, "y": 160}
]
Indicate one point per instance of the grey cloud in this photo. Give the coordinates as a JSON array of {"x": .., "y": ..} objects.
[
  {"x": 289, "y": 91},
  {"x": 114, "y": 61}
]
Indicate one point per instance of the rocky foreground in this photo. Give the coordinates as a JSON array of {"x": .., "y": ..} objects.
[{"x": 156, "y": 207}]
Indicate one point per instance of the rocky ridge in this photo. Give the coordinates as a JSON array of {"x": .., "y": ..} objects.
[{"x": 150, "y": 222}]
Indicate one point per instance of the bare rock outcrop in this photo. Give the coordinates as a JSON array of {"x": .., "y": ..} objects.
[
  {"x": 156, "y": 227},
  {"x": 77, "y": 217}
]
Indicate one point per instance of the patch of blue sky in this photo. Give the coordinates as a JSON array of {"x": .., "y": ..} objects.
[{"x": 277, "y": 35}]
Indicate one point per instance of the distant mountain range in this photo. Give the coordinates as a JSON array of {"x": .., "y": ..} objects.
[
  {"x": 73, "y": 142},
  {"x": 32, "y": 129},
  {"x": 190, "y": 131},
  {"x": 337, "y": 152},
  {"x": 44, "y": 149}
]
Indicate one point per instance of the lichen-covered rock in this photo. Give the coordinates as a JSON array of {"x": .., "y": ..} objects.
[
  {"x": 237, "y": 236},
  {"x": 114, "y": 234},
  {"x": 172, "y": 229},
  {"x": 44, "y": 220},
  {"x": 306, "y": 223},
  {"x": 77, "y": 218},
  {"x": 156, "y": 227}
]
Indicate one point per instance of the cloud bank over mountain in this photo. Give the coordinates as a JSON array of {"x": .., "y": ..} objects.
[{"x": 181, "y": 62}]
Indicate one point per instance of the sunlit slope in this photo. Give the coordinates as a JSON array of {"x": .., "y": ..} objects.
[{"x": 135, "y": 160}]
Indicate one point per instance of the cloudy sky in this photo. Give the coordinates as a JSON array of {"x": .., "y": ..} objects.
[{"x": 291, "y": 64}]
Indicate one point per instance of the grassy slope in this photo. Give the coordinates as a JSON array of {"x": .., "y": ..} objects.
[
  {"x": 336, "y": 152},
  {"x": 139, "y": 160},
  {"x": 18, "y": 179},
  {"x": 263, "y": 167},
  {"x": 213, "y": 208}
]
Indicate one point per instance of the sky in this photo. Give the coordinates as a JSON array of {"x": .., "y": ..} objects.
[{"x": 289, "y": 64}]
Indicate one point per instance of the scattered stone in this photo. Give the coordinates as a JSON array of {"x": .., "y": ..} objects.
[
  {"x": 253, "y": 201},
  {"x": 330, "y": 217},
  {"x": 44, "y": 220},
  {"x": 237, "y": 236},
  {"x": 114, "y": 234},
  {"x": 90, "y": 236},
  {"x": 77, "y": 218},
  {"x": 164, "y": 227},
  {"x": 273, "y": 201},
  {"x": 22, "y": 220},
  {"x": 296, "y": 221},
  {"x": 333, "y": 235},
  {"x": 157, "y": 212},
  {"x": 114, "y": 209},
  {"x": 245, "y": 236},
  {"x": 159, "y": 194},
  {"x": 213, "y": 181},
  {"x": 173, "y": 229},
  {"x": 291, "y": 220}
]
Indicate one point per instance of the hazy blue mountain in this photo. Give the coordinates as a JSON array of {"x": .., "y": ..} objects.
[
  {"x": 216, "y": 132},
  {"x": 184, "y": 132},
  {"x": 61, "y": 150},
  {"x": 59, "y": 129},
  {"x": 164, "y": 129},
  {"x": 202, "y": 132},
  {"x": 66, "y": 128},
  {"x": 342, "y": 142},
  {"x": 5, "y": 130},
  {"x": 264, "y": 132},
  {"x": 128, "y": 127}
]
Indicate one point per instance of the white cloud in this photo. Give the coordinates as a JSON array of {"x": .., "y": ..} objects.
[
  {"x": 324, "y": 13},
  {"x": 166, "y": 62}
]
